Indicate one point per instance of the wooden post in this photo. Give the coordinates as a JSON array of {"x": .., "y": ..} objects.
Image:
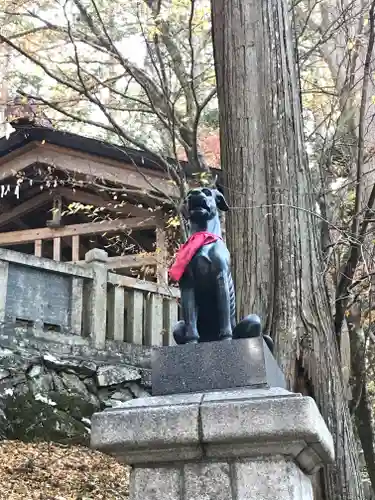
[
  {"x": 38, "y": 247},
  {"x": 57, "y": 249},
  {"x": 76, "y": 306},
  {"x": 161, "y": 255},
  {"x": 134, "y": 330},
  {"x": 75, "y": 248},
  {"x": 154, "y": 329},
  {"x": 97, "y": 259},
  {"x": 170, "y": 316},
  {"x": 116, "y": 313},
  {"x": 56, "y": 212},
  {"x": 110, "y": 312},
  {"x": 4, "y": 267}
]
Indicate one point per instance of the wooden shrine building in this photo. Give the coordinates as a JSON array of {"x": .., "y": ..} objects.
[{"x": 62, "y": 194}]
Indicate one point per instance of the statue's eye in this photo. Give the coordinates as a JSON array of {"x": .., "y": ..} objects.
[{"x": 207, "y": 192}]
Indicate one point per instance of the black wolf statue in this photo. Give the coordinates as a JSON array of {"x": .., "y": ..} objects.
[{"x": 202, "y": 268}]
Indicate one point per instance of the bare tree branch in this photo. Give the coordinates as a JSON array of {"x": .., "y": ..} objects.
[{"x": 358, "y": 229}]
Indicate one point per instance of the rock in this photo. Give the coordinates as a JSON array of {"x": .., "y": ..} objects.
[
  {"x": 72, "y": 365},
  {"x": 18, "y": 361},
  {"x": 74, "y": 405},
  {"x": 16, "y": 385},
  {"x": 49, "y": 390},
  {"x": 83, "y": 368},
  {"x": 94, "y": 401},
  {"x": 104, "y": 394},
  {"x": 52, "y": 362},
  {"x": 4, "y": 374},
  {"x": 91, "y": 386},
  {"x": 75, "y": 386},
  {"x": 41, "y": 384},
  {"x": 44, "y": 399},
  {"x": 114, "y": 403},
  {"x": 3, "y": 425},
  {"x": 86, "y": 421},
  {"x": 4, "y": 353},
  {"x": 73, "y": 383},
  {"x": 137, "y": 391},
  {"x": 122, "y": 395},
  {"x": 114, "y": 375},
  {"x": 29, "y": 419},
  {"x": 21, "y": 389},
  {"x": 57, "y": 382},
  {"x": 35, "y": 371}
]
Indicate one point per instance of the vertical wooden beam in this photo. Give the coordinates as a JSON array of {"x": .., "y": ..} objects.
[
  {"x": 56, "y": 212},
  {"x": 134, "y": 328},
  {"x": 4, "y": 267},
  {"x": 97, "y": 260},
  {"x": 170, "y": 317},
  {"x": 38, "y": 248},
  {"x": 76, "y": 306},
  {"x": 57, "y": 249},
  {"x": 118, "y": 313},
  {"x": 154, "y": 323},
  {"x": 110, "y": 312},
  {"x": 75, "y": 248},
  {"x": 161, "y": 254}
]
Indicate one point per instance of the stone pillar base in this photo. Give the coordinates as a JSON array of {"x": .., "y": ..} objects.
[
  {"x": 262, "y": 479},
  {"x": 245, "y": 444}
]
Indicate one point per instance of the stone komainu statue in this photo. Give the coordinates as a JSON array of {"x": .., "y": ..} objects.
[{"x": 202, "y": 268}]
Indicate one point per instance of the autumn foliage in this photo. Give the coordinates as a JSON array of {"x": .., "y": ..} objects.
[
  {"x": 56, "y": 472},
  {"x": 209, "y": 145}
]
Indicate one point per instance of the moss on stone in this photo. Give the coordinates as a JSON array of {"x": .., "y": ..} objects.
[{"x": 30, "y": 419}]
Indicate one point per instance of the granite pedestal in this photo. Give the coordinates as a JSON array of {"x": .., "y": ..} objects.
[
  {"x": 256, "y": 442},
  {"x": 214, "y": 366}
]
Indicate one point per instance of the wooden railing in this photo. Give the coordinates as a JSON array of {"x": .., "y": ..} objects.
[
  {"x": 71, "y": 234},
  {"x": 86, "y": 299},
  {"x": 150, "y": 311}
]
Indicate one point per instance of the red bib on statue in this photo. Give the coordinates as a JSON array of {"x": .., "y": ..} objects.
[{"x": 187, "y": 251}]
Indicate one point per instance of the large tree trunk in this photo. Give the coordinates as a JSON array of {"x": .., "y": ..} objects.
[{"x": 271, "y": 230}]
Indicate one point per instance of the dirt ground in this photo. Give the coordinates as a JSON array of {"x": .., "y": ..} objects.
[{"x": 44, "y": 471}]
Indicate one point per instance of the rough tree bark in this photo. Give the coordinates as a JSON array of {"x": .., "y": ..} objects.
[{"x": 272, "y": 230}]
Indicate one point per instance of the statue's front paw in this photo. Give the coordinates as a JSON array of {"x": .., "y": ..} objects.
[
  {"x": 225, "y": 335},
  {"x": 185, "y": 335},
  {"x": 179, "y": 333},
  {"x": 191, "y": 335}
]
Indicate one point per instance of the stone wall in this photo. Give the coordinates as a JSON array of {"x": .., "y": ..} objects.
[
  {"x": 51, "y": 383},
  {"x": 34, "y": 294}
]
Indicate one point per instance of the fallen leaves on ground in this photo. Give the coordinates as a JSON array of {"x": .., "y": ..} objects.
[{"x": 46, "y": 471}]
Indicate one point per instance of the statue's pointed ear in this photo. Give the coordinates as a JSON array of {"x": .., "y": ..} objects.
[{"x": 221, "y": 201}]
